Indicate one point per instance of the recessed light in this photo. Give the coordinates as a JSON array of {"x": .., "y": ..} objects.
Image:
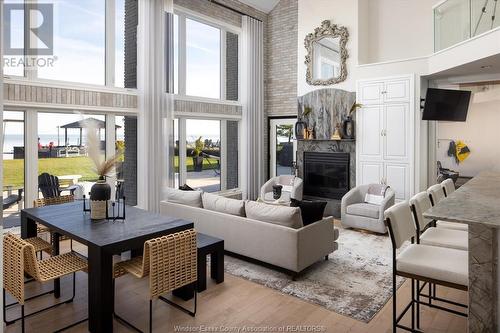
[{"x": 486, "y": 66}]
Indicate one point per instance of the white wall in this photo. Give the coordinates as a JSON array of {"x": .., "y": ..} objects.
[
  {"x": 349, "y": 13},
  {"x": 480, "y": 132},
  {"x": 395, "y": 29}
]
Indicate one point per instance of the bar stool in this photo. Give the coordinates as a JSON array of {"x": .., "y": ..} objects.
[
  {"x": 170, "y": 262},
  {"x": 448, "y": 186},
  {"x": 423, "y": 263},
  {"x": 428, "y": 235},
  {"x": 19, "y": 257},
  {"x": 437, "y": 193}
]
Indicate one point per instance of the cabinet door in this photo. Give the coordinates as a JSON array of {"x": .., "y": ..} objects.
[
  {"x": 370, "y": 93},
  {"x": 397, "y": 90},
  {"x": 396, "y": 132},
  {"x": 369, "y": 131},
  {"x": 370, "y": 173},
  {"x": 397, "y": 176}
]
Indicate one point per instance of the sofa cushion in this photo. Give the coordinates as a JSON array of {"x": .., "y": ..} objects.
[
  {"x": 311, "y": 211},
  {"x": 282, "y": 215},
  {"x": 223, "y": 205},
  {"x": 189, "y": 198},
  {"x": 364, "y": 209}
]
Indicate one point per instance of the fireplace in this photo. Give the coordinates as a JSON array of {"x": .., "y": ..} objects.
[{"x": 326, "y": 175}]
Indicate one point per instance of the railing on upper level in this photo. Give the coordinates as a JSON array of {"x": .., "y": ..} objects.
[{"x": 458, "y": 20}]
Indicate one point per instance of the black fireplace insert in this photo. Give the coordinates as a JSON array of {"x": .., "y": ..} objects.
[{"x": 326, "y": 175}]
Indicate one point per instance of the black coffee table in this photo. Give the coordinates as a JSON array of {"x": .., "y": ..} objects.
[{"x": 207, "y": 245}]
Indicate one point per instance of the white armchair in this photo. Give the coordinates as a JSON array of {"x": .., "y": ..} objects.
[
  {"x": 356, "y": 213},
  {"x": 292, "y": 188}
]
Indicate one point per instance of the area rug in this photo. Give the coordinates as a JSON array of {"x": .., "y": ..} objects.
[{"x": 356, "y": 281}]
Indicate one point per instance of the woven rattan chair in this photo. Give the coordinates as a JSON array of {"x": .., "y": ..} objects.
[
  {"x": 19, "y": 258},
  {"x": 42, "y": 202},
  {"x": 170, "y": 262}
]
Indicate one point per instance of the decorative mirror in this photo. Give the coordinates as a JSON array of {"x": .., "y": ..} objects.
[{"x": 326, "y": 54}]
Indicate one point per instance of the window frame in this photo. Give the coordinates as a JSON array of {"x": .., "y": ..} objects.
[
  {"x": 183, "y": 14},
  {"x": 31, "y": 75}
]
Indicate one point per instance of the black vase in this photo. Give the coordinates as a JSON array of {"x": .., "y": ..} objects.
[
  {"x": 100, "y": 193},
  {"x": 299, "y": 129},
  {"x": 348, "y": 128},
  {"x": 277, "y": 191}
]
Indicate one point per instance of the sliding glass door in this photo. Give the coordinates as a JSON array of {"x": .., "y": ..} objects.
[{"x": 282, "y": 146}]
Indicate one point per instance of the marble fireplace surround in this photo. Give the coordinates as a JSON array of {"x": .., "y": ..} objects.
[{"x": 329, "y": 107}]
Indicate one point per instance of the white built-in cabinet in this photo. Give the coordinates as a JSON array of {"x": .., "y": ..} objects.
[{"x": 385, "y": 133}]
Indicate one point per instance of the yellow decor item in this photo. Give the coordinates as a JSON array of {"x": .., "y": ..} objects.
[
  {"x": 462, "y": 151},
  {"x": 336, "y": 134}
]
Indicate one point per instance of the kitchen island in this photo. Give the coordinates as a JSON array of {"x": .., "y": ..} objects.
[{"x": 477, "y": 203}]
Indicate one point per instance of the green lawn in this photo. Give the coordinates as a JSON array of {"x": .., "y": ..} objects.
[
  {"x": 14, "y": 175},
  {"x": 13, "y": 170}
]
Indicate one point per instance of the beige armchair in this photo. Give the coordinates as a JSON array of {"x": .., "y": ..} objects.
[
  {"x": 292, "y": 188},
  {"x": 356, "y": 213}
]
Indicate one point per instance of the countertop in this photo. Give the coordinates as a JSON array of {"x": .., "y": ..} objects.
[{"x": 477, "y": 201}]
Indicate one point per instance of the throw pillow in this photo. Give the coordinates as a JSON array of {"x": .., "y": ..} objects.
[
  {"x": 189, "y": 198},
  {"x": 223, "y": 205},
  {"x": 312, "y": 211},
  {"x": 282, "y": 215},
  {"x": 186, "y": 187}
]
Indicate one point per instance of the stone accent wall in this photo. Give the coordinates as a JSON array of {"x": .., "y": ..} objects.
[
  {"x": 231, "y": 66},
  {"x": 281, "y": 65},
  {"x": 215, "y": 108},
  {"x": 131, "y": 21},
  {"x": 232, "y": 154},
  {"x": 22, "y": 94},
  {"x": 130, "y": 161}
]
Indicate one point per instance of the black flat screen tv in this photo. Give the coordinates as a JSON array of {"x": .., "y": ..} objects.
[{"x": 446, "y": 105}]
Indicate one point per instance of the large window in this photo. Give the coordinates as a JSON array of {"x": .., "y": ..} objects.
[
  {"x": 206, "y": 154},
  {"x": 13, "y": 167},
  {"x": 206, "y": 59},
  {"x": 63, "y": 148},
  {"x": 79, "y": 42},
  {"x": 14, "y": 27}
]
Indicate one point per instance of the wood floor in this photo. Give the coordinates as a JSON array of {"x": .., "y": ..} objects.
[{"x": 234, "y": 303}]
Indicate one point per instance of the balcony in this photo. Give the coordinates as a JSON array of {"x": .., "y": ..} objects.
[{"x": 458, "y": 20}]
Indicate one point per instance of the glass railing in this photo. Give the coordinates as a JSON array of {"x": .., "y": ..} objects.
[{"x": 459, "y": 20}]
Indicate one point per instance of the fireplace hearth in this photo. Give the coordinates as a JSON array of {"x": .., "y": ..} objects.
[{"x": 326, "y": 174}]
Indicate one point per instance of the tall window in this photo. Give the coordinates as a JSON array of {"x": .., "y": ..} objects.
[
  {"x": 79, "y": 42},
  {"x": 14, "y": 19},
  {"x": 120, "y": 43},
  {"x": 13, "y": 167},
  {"x": 210, "y": 65}
]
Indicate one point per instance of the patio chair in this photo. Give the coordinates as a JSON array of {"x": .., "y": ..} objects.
[
  {"x": 50, "y": 187},
  {"x": 12, "y": 199}
]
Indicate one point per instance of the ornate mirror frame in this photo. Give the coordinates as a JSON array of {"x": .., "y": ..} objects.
[{"x": 327, "y": 29}]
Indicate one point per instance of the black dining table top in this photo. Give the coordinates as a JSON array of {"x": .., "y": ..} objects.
[{"x": 70, "y": 220}]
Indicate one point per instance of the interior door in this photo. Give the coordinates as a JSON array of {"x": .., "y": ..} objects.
[
  {"x": 395, "y": 133},
  {"x": 282, "y": 146},
  {"x": 370, "y": 132},
  {"x": 370, "y": 173},
  {"x": 397, "y": 176}
]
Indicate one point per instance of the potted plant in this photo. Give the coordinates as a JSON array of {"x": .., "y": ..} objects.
[{"x": 197, "y": 153}]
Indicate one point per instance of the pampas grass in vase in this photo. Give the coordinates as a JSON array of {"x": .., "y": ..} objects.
[{"x": 100, "y": 192}]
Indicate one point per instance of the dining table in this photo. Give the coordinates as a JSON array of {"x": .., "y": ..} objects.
[
  {"x": 477, "y": 204},
  {"x": 104, "y": 239}
]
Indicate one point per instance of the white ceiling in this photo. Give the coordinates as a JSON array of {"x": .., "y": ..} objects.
[
  {"x": 262, "y": 5},
  {"x": 489, "y": 66}
]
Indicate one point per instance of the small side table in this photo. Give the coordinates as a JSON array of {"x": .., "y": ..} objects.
[{"x": 207, "y": 245}]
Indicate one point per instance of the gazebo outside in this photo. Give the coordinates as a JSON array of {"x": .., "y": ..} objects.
[{"x": 85, "y": 123}]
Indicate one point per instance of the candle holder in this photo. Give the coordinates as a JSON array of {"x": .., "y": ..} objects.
[{"x": 117, "y": 211}]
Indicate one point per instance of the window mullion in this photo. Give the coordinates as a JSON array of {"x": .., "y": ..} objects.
[{"x": 222, "y": 65}]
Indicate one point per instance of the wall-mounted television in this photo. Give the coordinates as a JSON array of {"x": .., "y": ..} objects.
[{"x": 446, "y": 105}]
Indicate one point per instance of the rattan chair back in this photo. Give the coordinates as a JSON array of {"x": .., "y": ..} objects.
[
  {"x": 16, "y": 254},
  {"x": 172, "y": 261},
  {"x": 53, "y": 201}
]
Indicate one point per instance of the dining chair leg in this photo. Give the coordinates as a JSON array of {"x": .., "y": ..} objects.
[
  {"x": 394, "y": 307},
  {"x": 150, "y": 316},
  {"x": 412, "y": 304},
  {"x": 418, "y": 304}
]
